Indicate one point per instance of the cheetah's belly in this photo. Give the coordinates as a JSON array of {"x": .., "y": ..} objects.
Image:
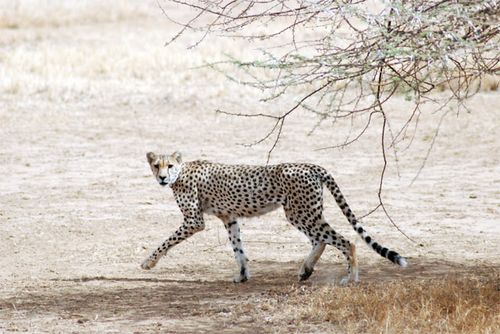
[{"x": 239, "y": 211}]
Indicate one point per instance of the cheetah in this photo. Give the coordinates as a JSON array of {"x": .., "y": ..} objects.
[{"x": 234, "y": 191}]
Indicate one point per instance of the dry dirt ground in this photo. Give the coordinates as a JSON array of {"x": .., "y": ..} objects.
[{"x": 85, "y": 93}]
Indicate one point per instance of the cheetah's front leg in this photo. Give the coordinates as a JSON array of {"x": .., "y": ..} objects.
[
  {"x": 187, "y": 229},
  {"x": 233, "y": 231}
]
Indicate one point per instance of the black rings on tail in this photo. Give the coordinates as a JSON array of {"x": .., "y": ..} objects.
[{"x": 391, "y": 255}]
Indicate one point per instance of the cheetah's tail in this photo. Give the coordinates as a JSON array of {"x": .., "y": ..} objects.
[{"x": 341, "y": 202}]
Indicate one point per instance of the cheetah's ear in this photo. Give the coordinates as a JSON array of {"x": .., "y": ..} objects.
[
  {"x": 177, "y": 156},
  {"x": 151, "y": 157}
]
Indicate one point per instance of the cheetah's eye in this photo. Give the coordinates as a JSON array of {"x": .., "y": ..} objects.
[
  {"x": 156, "y": 166},
  {"x": 170, "y": 166}
]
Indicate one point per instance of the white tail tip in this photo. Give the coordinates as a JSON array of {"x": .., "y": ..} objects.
[{"x": 402, "y": 262}]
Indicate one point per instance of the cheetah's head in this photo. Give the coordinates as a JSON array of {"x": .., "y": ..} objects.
[{"x": 166, "y": 168}]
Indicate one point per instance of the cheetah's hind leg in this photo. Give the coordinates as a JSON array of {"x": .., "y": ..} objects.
[
  {"x": 307, "y": 267},
  {"x": 329, "y": 236},
  {"x": 352, "y": 269}
]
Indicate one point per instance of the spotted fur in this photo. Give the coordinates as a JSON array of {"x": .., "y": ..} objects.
[{"x": 234, "y": 191}]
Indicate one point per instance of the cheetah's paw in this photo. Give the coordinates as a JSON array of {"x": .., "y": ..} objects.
[{"x": 243, "y": 276}]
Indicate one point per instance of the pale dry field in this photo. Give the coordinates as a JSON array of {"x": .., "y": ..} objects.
[{"x": 86, "y": 89}]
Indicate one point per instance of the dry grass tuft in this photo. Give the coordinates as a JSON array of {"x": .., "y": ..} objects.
[
  {"x": 53, "y": 13},
  {"x": 487, "y": 83},
  {"x": 449, "y": 305},
  {"x": 490, "y": 82}
]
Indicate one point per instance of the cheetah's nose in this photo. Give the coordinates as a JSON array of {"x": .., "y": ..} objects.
[{"x": 162, "y": 180}]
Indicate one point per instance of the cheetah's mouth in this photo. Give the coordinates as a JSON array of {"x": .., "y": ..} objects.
[{"x": 163, "y": 184}]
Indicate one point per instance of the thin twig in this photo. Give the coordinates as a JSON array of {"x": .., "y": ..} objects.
[{"x": 429, "y": 149}]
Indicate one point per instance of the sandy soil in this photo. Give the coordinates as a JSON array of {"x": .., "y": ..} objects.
[{"x": 82, "y": 103}]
